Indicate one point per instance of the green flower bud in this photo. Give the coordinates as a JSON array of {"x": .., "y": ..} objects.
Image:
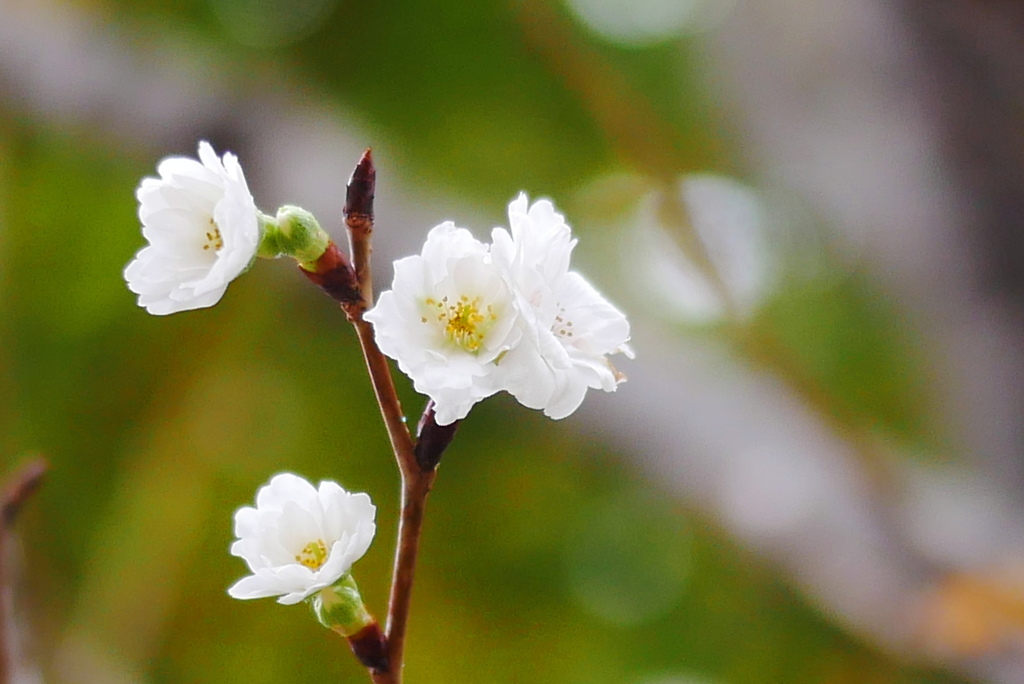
[
  {"x": 293, "y": 232},
  {"x": 340, "y": 607}
]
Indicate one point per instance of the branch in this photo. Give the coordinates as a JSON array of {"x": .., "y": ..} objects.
[
  {"x": 359, "y": 220},
  {"x": 21, "y": 485},
  {"x": 416, "y": 482}
]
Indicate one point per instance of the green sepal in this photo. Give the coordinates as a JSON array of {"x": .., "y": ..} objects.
[
  {"x": 268, "y": 247},
  {"x": 340, "y": 607}
]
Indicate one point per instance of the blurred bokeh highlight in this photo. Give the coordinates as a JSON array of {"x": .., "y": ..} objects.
[{"x": 810, "y": 211}]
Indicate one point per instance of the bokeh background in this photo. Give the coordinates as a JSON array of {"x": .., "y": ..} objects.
[{"x": 811, "y": 211}]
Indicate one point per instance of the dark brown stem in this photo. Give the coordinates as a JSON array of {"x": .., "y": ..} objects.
[
  {"x": 415, "y": 487},
  {"x": 387, "y": 398},
  {"x": 416, "y": 482},
  {"x": 21, "y": 485},
  {"x": 359, "y": 219}
]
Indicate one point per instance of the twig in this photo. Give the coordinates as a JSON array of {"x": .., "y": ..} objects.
[
  {"x": 415, "y": 488},
  {"x": 416, "y": 482},
  {"x": 352, "y": 287},
  {"x": 359, "y": 219},
  {"x": 21, "y": 485}
]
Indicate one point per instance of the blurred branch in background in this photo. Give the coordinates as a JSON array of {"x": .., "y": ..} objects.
[
  {"x": 909, "y": 613},
  {"x": 14, "y": 664}
]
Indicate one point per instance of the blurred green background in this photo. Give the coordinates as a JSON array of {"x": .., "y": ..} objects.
[{"x": 553, "y": 552}]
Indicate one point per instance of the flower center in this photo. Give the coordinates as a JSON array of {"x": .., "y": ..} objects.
[
  {"x": 465, "y": 322},
  {"x": 314, "y": 555},
  {"x": 562, "y": 326},
  {"x": 213, "y": 239}
]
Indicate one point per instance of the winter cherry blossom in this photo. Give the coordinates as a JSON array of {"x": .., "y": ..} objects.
[
  {"x": 572, "y": 328},
  {"x": 300, "y": 539},
  {"x": 465, "y": 320},
  {"x": 447, "y": 320},
  {"x": 201, "y": 224}
]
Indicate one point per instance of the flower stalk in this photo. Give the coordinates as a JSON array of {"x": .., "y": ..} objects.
[
  {"x": 296, "y": 233},
  {"x": 432, "y": 439}
]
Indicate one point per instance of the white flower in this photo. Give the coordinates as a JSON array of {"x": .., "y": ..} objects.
[
  {"x": 200, "y": 222},
  {"x": 465, "y": 320},
  {"x": 447, "y": 320},
  {"x": 572, "y": 328},
  {"x": 299, "y": 540}
]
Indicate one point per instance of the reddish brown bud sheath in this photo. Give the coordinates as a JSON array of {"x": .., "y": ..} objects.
[
  {"x": 361, "y": 187},
  {"x": 334, "y": 275},
  {"x": 369, "y": 647},
  {"x": 432, "y": 439}
]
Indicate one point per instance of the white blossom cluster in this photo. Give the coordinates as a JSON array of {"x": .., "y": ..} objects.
[
  {"x": 463, "y": 319},
  {"x": 466, "y": 320}
]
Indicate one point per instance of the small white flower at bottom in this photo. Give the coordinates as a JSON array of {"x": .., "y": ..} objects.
[
  {"x": 300, "y": 539},
  {"x": 201, "y": 224}
]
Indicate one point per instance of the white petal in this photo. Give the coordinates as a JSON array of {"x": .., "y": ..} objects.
[
  {"x": 567, "y": 399},
  {"x": 252, "y": 587},
  {"x": 285, "y": 487},
  {"x": 247, "y": 520},
  {"x": 297, "y": 528}
]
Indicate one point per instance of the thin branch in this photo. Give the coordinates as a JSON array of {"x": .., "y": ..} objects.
[
  {"x": 20, "y": 487},
  {"x": 416, "y": 482},
  {"x": 387, "y": 398},
  {"x": 414, "y": 499},
  {"x": 359, "y": 220}
]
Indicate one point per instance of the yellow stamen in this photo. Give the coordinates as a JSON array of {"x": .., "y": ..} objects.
[
  {"x": 562, "y": 326},
  {"x": 213, "y": 239},
  {"x": 314, "y": 555},
  {"x": 465, "y": 322}
]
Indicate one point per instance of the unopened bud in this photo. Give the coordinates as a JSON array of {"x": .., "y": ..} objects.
[
  {"x": 293, "y": 232},
  {"x": 340, "y": 607}
]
